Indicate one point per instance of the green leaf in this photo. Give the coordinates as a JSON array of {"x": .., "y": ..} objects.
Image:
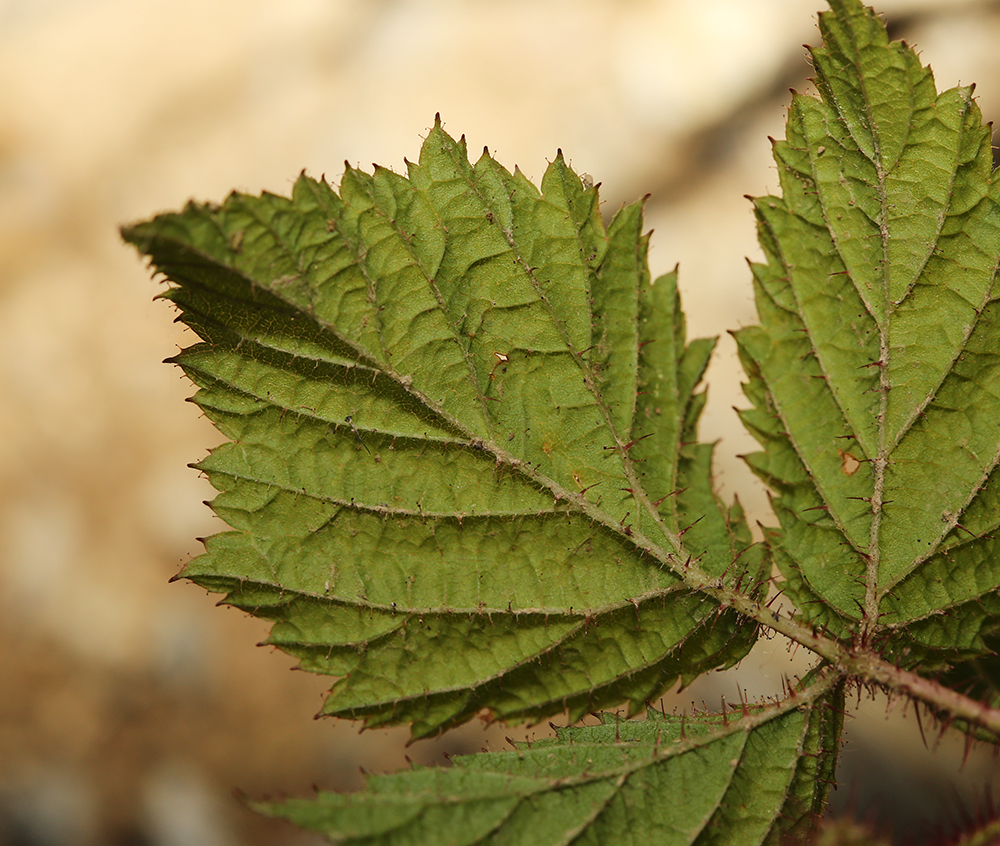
[
  {"x": 760, "y": 776},
  {"x": 461, "y": 471},
  {"x": 875, "y": 372}
]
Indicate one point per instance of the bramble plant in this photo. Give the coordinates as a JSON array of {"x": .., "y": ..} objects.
[{"x": 463, "y": 475}]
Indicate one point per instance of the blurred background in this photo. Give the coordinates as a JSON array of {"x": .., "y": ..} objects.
[{"x": 133, "y": 712}]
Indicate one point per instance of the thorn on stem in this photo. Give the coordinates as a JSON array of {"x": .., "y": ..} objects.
[
  {"x": 681, "y": 533},
  {"x": 631, "y": 444}
]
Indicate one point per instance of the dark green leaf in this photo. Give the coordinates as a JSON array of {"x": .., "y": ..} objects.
[
  {"x": 751, "y": 777},
  {"x": 875, "y": 373},
  {"x": 461, "y": 425}
]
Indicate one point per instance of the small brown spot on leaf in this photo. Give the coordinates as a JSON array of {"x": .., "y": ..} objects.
[{"x": 848, "y": 463}]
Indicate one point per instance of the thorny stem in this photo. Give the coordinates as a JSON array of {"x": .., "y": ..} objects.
[
  {"x": 856, "y": 661},
  {"x": 867, "y": 667}
]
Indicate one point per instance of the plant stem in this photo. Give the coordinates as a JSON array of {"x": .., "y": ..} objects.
[{"x": 867, "y": 667}]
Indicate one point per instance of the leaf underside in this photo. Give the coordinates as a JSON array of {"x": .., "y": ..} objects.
[
  {"x": 875, "y": 372},
  {"x": 462, "y": 472},
  {"x": 462, "y": 441},
  {"x": 699, "y": 779}
]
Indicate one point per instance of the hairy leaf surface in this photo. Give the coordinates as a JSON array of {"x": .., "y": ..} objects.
[
  {"x": 462, "y": 431},
  {"x": 875, "y": 372},
  {"x": 707, "y": 779}
]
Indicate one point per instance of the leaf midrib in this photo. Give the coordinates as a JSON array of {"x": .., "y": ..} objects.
[
  {"x": 884, "y": 449},
  {"x": 472, "y": 374},
  {"x": 671, "y": 559}
]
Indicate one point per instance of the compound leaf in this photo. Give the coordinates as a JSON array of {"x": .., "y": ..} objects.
[
  {"x": 875, "y": 372},
  {"x": 707, "y": 779},
  {"x": 461, "y": 453}
]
